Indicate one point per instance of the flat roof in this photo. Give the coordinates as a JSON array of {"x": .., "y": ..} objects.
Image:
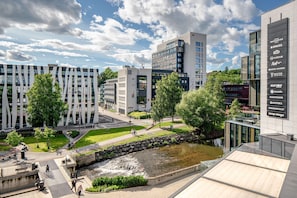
[{"x": 241, "y": 174}]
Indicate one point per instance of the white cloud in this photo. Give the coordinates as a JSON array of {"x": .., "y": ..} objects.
[
  {"x": 170, "y": 18},
  {"x": 53, "y": 16},
  {"x": 97, "y": 18},
  {"x": 2, "y": 54},
  {"x": 243, "y": 10},
  {"x": 14, "y": 55},
  {"x": 138, "y": 58}
]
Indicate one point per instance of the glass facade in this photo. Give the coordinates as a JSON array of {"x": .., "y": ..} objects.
[{"x": 251, "y": 68}]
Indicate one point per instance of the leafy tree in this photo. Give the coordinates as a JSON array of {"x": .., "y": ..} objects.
[
  {"x": 234, "y": 109},
  {"x": 107, "y": 74},
  {"x": 45, "y": 104},
  {"x": 201, "y": 109},
  {"x": 48, "y": 133},
  {"x": 168, "y": 94},
  {"x": 38, "y": 135},
  {"x": 13, "y": 138}
]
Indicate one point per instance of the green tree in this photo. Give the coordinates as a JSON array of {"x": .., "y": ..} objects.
[
  {"x": 234, "y": 109},
  {"x": 38, "y": 135},
  {"x": 13, "y": 138},
  {"x": 201, "y": 110},
  {"x": 168, "y": 94},
  {"x": 45, "y": 104},
  {"x": 48, "y": 133},
  {"x": 107, "y": 74}
]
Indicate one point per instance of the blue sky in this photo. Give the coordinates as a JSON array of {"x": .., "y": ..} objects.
[{"x": 113, "y": 33}]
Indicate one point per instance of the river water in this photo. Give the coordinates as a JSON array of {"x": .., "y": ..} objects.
[{"x": 153, "y": 162}]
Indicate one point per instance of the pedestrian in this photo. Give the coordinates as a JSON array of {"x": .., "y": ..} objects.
[
  {"x": 73, "y": 184},
  {"x": 47, "y": 168},
  {"x": 79, "y": 190}
]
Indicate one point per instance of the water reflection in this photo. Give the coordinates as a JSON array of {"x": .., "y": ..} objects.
[{"x": 153, "y": 162}]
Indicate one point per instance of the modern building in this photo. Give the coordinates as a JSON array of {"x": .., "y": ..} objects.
[
  {"x": 185, "y": 55},
  {"x": 110, "y": 94},
  {"x": 134, "y": 90},
  {"x": 267, "y": 168},
  {"x": 278, "y": 70},
  {"x": 240, "y": 92},
  {"x": 241, "y": 130},
  {"x": 250, "y": 68},
  {"x": 79, "y": 91}
]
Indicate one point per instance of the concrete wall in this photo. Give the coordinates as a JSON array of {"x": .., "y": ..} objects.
[
  {"x": 173, "y": 175},
  {"x": 19, "y": 180}
]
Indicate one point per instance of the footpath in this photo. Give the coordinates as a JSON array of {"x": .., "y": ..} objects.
[{"x": 58, "y": 182}]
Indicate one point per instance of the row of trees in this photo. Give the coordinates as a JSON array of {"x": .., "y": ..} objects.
[{"x": 202, "y": 109}]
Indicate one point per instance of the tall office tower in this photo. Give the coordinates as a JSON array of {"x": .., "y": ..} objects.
[
  {"x": 186, "y": 55},
  {"x": 250, "y": 68},
  {"x": 79, "y": 91}
]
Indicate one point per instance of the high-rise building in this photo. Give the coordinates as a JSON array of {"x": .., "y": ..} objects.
[
  {"x": 185, "y": 55},
  {"x": 250, "y": 68},
  {"x": 79, "y": 91}
]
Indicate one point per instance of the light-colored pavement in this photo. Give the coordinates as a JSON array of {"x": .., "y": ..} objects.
[{"x": 59, "y": 183}]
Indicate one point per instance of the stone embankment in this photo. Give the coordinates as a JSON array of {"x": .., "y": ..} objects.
[{"x": 116, "y": 151}]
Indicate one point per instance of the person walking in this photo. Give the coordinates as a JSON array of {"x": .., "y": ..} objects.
[
  {"x": 79, "y": 191},
  {"x": 47, "y": 168},
  {"x": 73, "y": 184}
]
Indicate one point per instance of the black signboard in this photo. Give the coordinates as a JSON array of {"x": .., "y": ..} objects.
[{"x": 277, "y": 68}]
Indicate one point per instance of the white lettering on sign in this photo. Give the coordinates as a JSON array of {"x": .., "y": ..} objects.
[
  {"x": 275, "y": 69},
  {"x": 275, "y": 52},
  {"x": 276, "y": 46},
  {"x": 275, "y": 103},
  {"x": 275, "y": 57},
  {"x": 276, "y": 114},
  {"x": 275, "y": 63},
  {"x": 272, "y": 91},
  {"x": 276, "y": 85},
  {"x": 276, "y": 40},
  {"x": 276, "y": 74},
  {"x": 276, "y": 97},
  {"x": 276, "y": 108}
]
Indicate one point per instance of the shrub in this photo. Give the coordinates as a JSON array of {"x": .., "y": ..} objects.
[
  {"x": 118, "y": 182},
  {"x": 74, "y": 134}
]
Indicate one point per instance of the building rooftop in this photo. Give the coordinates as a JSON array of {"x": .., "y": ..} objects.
[{"x": 247, "y": 172}]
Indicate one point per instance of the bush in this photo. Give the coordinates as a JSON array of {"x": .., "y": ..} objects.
[
  {"x": 74, "y": 134},
  {"x": 118, "y": 182}
]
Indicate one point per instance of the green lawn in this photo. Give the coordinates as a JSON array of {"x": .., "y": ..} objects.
[
  {"x": 183, "y": 129},
  {"x": 4, "y": 146},
  {"x": 100, "y": 135},
  {"x": 55, "y": 143}
]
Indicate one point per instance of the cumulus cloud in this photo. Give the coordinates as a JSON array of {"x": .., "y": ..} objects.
[
  {"x": 2, "y": 54},
  {"x": 53, "y": 16},
  {"x": 139, "y": 58},
  {"x": 170, "y": 18},
  {"x": 14, "y": 55}
]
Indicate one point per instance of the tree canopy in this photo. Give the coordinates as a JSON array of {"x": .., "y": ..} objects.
[
  {"x": 105, "y": 75},
  {"x": 234, "y": 109},
  {"x": 45, "y": 104},
  {"x": 13, "y": 138},
  {"x": 201, "y": 109},
  {"x": 168, "y": 94}
]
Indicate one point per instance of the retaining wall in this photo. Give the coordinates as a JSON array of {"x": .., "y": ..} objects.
[{"x": 116, "y": 151}]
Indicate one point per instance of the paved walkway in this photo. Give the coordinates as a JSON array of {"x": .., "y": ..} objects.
[{"x": 58, "y": 182}]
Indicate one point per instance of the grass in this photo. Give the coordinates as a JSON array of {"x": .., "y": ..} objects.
[
  {"x": 100, "y": 135},
  {"x": 183, "y": 129},
  {"x": 4, "y": 146},
  {"x": 55, "y": 143},
  {"x": 166, "y": 124}
]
